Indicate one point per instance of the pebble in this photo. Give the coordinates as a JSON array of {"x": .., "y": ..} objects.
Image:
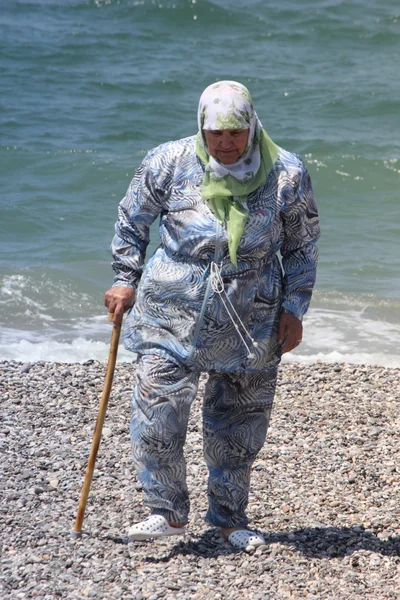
[{"x": 325, "y": 492}]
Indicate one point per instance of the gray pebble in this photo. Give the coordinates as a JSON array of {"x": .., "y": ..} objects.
[{"x": 330, "y": 424}]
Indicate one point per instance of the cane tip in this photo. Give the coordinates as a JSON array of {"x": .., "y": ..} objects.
[{"x": 76, "y": 535}]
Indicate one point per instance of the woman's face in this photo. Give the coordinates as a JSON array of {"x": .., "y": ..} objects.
[{"x": 227, "y": 145}]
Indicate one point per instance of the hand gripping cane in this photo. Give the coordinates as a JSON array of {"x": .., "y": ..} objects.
[{"x": 112, "y": 357}]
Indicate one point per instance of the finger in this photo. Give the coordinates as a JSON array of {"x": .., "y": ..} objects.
[
  {"x": 110, "y": 301},
  {"x": 286, "y": 348},
  {"x": 118, "y": 313},
  {"x": 111, "y": 305},
  {"x": 286, "y": 337},
  {"x": 290, "y": 344},
  {"x": 289, "y": 341}
]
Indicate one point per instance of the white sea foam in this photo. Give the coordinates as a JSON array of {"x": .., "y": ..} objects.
[
  {"x": 348, "y": 335},
  {"x": 52, "y": 320},
  {"x": 330, "y": 336},
  {"x": 79, "y": 350},
  {"x": 344, "y": 357}
]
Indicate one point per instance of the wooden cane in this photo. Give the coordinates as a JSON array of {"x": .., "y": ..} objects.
[{"x": 112, "y": 357}]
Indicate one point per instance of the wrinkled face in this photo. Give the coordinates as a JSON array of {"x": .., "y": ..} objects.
[{"x": 226, "y": 145}]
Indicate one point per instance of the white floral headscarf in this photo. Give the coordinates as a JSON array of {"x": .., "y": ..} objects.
[{"x": 228, "y": 105}]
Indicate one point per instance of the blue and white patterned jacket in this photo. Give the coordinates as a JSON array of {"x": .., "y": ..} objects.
[{"x": 176, "y": 312}]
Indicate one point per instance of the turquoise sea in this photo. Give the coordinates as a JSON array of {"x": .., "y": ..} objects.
[{"x": 88, "y": 87}]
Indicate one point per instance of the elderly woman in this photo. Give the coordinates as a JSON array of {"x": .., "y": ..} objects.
[{"x": 214, "y": 297}]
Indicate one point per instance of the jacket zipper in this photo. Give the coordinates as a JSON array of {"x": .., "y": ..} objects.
[{"x": 207, "y": 292}]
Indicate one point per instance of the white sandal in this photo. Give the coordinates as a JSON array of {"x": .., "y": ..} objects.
[
  {"x": 152, "y": 527},
  {"x": 242, "y": 538}
]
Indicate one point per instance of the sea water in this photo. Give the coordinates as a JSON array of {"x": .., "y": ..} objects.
[{"x": 88, "y": 87}]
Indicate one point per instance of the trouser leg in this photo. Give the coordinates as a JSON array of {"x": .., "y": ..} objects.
[
  {"x": 161, "y": 402},
  {"x": 236, "y": 415}
]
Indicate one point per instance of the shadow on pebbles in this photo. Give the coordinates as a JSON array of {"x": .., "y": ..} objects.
[{"x": 325, "y": 492}]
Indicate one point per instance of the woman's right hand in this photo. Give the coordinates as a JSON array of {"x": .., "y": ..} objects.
[{"x": 118, "y": 299}]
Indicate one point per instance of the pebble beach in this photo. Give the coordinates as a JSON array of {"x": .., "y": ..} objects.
[{"x": 325, "y": 492}]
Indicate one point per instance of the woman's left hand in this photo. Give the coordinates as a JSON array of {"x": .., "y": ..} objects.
[{"x": 290, "y": 332}]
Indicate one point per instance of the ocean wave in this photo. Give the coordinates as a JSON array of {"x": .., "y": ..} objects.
[
  {"x": 81, "y": 349},
  {"x": 53, "y": 318},
  {"x": 341, "y": 335},
  {"x": 44, "y": 302},
  {"x": 78, "y": 350},
  {"x": 333, "y": 299},
  {"x": 335, "y": 356}
]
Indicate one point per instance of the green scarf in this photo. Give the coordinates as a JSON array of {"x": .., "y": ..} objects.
[{"x": 226, "y": 195}]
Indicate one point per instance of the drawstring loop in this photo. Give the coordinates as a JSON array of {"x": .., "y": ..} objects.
[{"x": 217, "y": 286}]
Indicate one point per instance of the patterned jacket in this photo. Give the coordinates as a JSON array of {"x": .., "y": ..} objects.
[{"x": 177, "y": 313}]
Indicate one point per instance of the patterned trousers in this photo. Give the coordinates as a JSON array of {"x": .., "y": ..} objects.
[{"x": 236, "y": 412}]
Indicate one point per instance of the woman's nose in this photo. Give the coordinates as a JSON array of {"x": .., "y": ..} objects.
[{"x": 226, "y": 141}]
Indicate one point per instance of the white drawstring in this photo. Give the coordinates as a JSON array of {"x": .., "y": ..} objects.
[{"x": 217, "y": 286}]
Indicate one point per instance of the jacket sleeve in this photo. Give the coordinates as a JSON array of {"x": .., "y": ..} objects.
[
  {"x": 136, "y": 212},
  {"x": 299, "y": 251}
]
